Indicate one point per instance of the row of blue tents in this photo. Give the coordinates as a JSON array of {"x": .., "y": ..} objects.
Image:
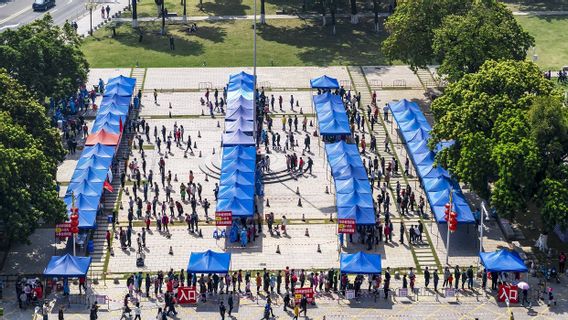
[
  {"x": 437, "y": 182},
  {"x": 94, "y": 165},
  {"x": 331, "y": 115},
  {"x": 238, "y": 166},
  {"x": 354, "y": 199}
]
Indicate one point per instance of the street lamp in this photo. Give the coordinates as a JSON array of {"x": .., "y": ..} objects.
[{"x": 90, "y": 6}]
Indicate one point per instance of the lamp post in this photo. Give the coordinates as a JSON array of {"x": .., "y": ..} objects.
[
  {"x": 90, "y": 6},
  {"x": 134, "y": 14},
  {"x": 184, "y": 11}
]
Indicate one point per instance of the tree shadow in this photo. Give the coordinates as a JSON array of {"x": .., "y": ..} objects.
[
  {"x": 211, "y": 33},
  {"x": 351, "y": 45},
  {"x": 224, "y": 7},
  {"x": 538, "y": 5}
]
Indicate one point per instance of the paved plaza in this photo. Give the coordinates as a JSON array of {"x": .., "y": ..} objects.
[{"x": 311, "y": 243}]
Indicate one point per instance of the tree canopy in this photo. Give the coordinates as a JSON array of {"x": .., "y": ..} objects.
[
  {"x": 411, "y": 29},
  {"x": 44, "y": 57},
  {"x": 510, "y": 130},
  {"x": 487, "y": 31}
]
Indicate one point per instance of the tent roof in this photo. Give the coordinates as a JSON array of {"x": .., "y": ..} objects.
[
  {"x": 503, "y": 261},
  {"x": 239, "y": 112},
  {"x": 360, "y": 263},
  {"x": 209, "y": 262},
  {"x": 241, "y": 123},
  {"x": 238, "y": 93},
  {"x": 239, "y": 207},
  {"x": 240, "y": 101},
  {"x": 94, "y": 162},
  {"x": 99, "y": 150},
  {"x": 237, "y": 138},
  {"x": 351, "y": 185},
  {"x": 108, "y": 122},
  {"x": 103, "y": 137},
  {"x": 363, "y": 200},
  {"x": 236, "y": 190},
  {"x": 237, "y": 177},
  {"x": 89, "y": 174},
  {"x": 122, "y": 80},
  {"x": 241, "y": 76},
  {"x": 85, "y": 187},
  {"x": 332, "y": 118},
  {"x": 83, "y": 202},
  {"x": 240, "y": 152},
  {"x": 67, "y": 266},
  {"x": 116, "y": 99},
  {"x": 240, "y": 84},
  {"x": 123, "y": 90},
  {"x": 361, "y": 215},
  {"x": 113, "y": 108},
  {"x": 324, "y": 82}
]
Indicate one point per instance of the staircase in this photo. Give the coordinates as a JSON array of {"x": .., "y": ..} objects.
[
  {"x": 423, "y": 253},
  {"x": 425, "y": 77},
  {"x": 111, "y": 198}
]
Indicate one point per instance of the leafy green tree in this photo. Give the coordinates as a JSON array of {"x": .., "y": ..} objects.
[
  {"x": 25, "y": 111},
  {"x": 44, "y": 57},
  {"x": 411, "y": 29},
  {"x": 487, "y": 31},
  {"x": 487, "y": 114},
  {"x": 27, "y": 185}
]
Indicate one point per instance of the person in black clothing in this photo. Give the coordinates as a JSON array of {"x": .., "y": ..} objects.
[
  {"x": 426, "y": 277},
  {"x": 436, "y": 280},
  {"x": 94, "y": 309},
  {"x": 286, "y": 301},
  {"x": 304, "y": 305},
  {"x": 222, "y": 310},
  {"x": 230, "y": 304}
]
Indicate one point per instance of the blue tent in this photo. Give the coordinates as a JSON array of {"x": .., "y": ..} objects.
[
  {"x": 242, "y": 165},
  {"x": 241, "y": 76},
  {"x": 236, "y": 190},
  {"x": 83, "y": 202},
  {"x": 114, "y": 109},
  {"x": 352, "y": 185},
  {"x": 89, "y": 174},
  {"x": 67, "y": 266},
  {"x": 239, "y": 207},
  {"x": 360, "y": 263},
  {"x": 122, "y": 80},
  {"x": 99, "y": 150},
  {"x": 237, "y": 138},
  {"x": 238, "y": 93},
  {"x": 240, "y": 101},
  {"x": 361, "y": 215},
  {"x": 239, "y": 152},
  {"x": 84, "y": 187},
  {"x": 241, "y": 123},
  {"x": 324, "y": 82},
  {"x": 237, "y": 177},
  {"x": 109, "y": 122},
  {"x": 116, "y": 99},
  {"x": 332, "y": 118},
  {"x": 364, "y": 200},
  {"x": 118, "y": 89},
  {"x": 349, "y": 171},
  {"x": 239, "y": 113},
  {"x": 240, "y": 84},
  {"x": 94, "y": 162},
  {"x": 503, "y": 261},
  {"x": 209, "y": 262}
]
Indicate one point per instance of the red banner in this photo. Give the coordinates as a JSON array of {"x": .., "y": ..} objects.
[
  {"x": 63, "y": 230},
  {"x": 308, "y": 292},
  {"x": 510, "y": 292},
  {"x": 346, "y": 226},
  {"x": 223, "y": 218},
  {"x": 186, "y": 295}
]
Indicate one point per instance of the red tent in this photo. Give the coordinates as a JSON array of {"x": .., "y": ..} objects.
[{"x": 103, "y": 137}]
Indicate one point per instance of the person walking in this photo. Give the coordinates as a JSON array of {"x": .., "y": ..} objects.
[
  {"x": 222, "y": 310},
  {"x": 230, "y": 304},
  {"x": 137, "y": 312},
  {"x": 155, "y": 96},
  {"x": 436, "y": 280},
  {"x": 60, "y": 315},
  {"x": 426, "y": 277},
  {"x": 296, "y": 312}
]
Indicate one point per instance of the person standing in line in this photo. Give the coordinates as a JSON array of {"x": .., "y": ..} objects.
[
  {"x": 230, "y": 304},
  {"x": 426, "y": 277},
  {"x": 436, "y": 280},
  {"x": 222, "y": 310},
  {"x": 155, "y": 96}
]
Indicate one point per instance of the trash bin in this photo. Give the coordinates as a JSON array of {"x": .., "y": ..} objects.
[{"x": 90, "y": 246}]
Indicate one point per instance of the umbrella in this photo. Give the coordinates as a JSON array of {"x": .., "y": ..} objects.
[{"x": 523, "y": 285}]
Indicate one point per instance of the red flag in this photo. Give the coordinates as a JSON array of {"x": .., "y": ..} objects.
[
  {"x": 108, "y": 186},
  {"x": 120, "y": 125}
]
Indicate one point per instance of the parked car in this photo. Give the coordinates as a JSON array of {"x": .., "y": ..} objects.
[{"x": 43, "y": 5}]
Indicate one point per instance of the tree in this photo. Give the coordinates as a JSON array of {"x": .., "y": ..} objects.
[
  {"x": 44, "y": 57},
  {"x": 487, "y": 114},
  {"x": 26, "y": 112},
  {"x": 27, "y": 186},
  {"x": 487, "y": 31},
  {"x": 411, "y": 29}
]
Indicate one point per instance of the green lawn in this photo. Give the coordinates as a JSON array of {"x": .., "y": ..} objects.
[
  {"x": 536, "y": 5},
  {"x": 551, "y": 41},
  {"x": 229, "y": 43},
  {"x": 237, "y": 7}
]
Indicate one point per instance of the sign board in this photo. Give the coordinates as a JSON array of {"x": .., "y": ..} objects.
[
  {"x": 308, "y": 292},
  {"x": 346, "y": 226},
  {"x": 508, "y": 292},
  {"x": 450, "y": 292},
  {"x": 186, "y": 295},
  {"x": 223, "y": 218},
  {"x": 350, "y": 294},
  {"x": 63, "y": 230},
  {"x": 403, "y": 292}
]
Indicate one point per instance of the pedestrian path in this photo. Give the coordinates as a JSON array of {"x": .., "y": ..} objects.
[{"x": 423, "y": 253}]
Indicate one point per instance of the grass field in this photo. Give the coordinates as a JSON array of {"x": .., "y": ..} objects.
[
  {"x": 229, "y": 43},
  {"x": 551, "y": 40},
  {"x": 536, "y": 5}
]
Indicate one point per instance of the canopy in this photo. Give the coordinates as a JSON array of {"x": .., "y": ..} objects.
[
  {"x": 85, "y": 187},
  {"x": 331, "y": 115},
  {"x": 241, "y": 76},
  {"x": 239, "y": 113},
  {"x": 122, "y": 90},
  {"x": 122, "y": 80},
  {"x": 239, "y": 207},
  {"x": 209, "y": 262},
  {"x": 324, "y": 82},
  {"x": 363, "y": 200},
  {"x": 67, "y": 266},
  {"x": 241, "y": 123},
  {"x": 109, "y": 123},
  {"x": 352, "y": 185},
  {"x": 239, "y": 152},
  {"x": 238, "y": 93},
  {"x": 237, "y": 177},
  {"x": 237, "y": 138},
  {"x": 503, "y": 261},
  {"x": 89, "y": 174},
  {"x": 360, "y": 214},
  {"x": 116, "y": 99},
  {"x": 99, "y": 150},
  {"x": 83, "y": 202},
  {"x": 94, "y": 162},
  {"x": 236, "y": 190},
  {"x": 103, "y": 137},
  {"x": 240, "y": 101},
  {"x": 114, "y": 109},
  {"x": 360, "y": 263}
]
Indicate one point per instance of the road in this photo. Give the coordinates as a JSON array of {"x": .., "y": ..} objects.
[{"x": 15, "y": 13}]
